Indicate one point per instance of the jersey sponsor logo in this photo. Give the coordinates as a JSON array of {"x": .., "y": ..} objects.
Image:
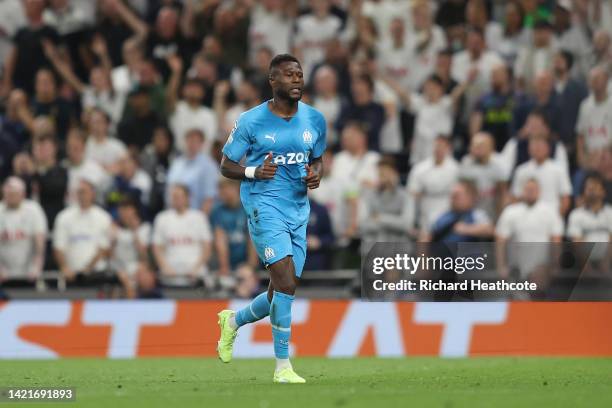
[
  {"x": 268, "y": 253},
  {"x": 271, "y": 137},
  {"x": 291, "y": 158},
  {"x": 307, "y": 136}
]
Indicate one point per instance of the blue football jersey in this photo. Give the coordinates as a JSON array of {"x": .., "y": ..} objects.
[{"x": 293, "y": 143}]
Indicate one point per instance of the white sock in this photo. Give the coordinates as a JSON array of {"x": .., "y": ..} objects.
[
  {"x": 232, "y": 322},
  {"x": 282, "y": 363}
]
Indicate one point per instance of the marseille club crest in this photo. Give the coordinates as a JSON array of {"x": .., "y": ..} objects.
[
  {"x": 307, "y": 136},
  {"x": 269, "y": 253}
]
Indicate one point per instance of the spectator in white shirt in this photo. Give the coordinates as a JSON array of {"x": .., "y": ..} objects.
[
  {"x": 188, "y": 113},
  {"x": 434, "y": 112},
  {"x": 327, "y": 100},
  {"x": 536, "y": 57},
  {"x": 476, "y": 16},
  {"x": 353, "y": 168},
  {"x": 23, "y": 230},
  {"x": 129, "y": 243},
  {"x": 482, "y": 167},
  {"x": 555, "y": 185},
  {"x": 100, "y": 147},
  {"x": 396, "y": 57},
  {"x": 312, "y": 32},
  {"x": 181, "y": 241},
  {"x": 81, "y": 238},
  {"x": 592, "y": 221},
  {"x": 79, "y": 166},
  {"x": 426, "y": 40},
  {"x": 524, "y": 223},
  {"x": 355, "y": 165},
  {"x": 430, "y": 183},
  {"x": 271, "y": 25},
  {"x": 594, "y": 127},
  {"x": 476, "y": 56}
]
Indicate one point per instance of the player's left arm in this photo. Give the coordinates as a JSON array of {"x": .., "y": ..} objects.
[
  {"x": 313, "y": 173},
  {"x": 314, "y": 169}
]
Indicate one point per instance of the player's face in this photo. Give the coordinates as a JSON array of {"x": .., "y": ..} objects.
[{"x": 288, "y": 81}]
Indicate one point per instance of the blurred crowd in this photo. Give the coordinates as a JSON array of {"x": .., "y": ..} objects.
[{"x": 448, "y": 121}]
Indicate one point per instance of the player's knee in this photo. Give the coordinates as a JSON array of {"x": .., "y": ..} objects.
[{"x": 286, "y": 286}]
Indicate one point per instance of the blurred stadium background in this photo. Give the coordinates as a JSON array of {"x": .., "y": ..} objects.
[{"x": 448, "y": 121}]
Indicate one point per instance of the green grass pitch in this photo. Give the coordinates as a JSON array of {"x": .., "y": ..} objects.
[{"x": 357, "y": 382}]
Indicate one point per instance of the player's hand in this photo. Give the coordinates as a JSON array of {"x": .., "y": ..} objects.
[
  {"x": 312, "y": 178},
  {"x": 267, "y": 170}
]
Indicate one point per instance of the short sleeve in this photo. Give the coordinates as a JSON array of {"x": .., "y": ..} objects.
[
  {"x": 205, "y": 233},
  {"x": 481, "y": 217},
  {"x": 565, "y": 186},
  {"x": 60, "y": 235},
  {"x": 504, "y": 224},
  {"x": 40, "y": 220},
  {"x": 557, "y": 224},
  {"x": 574, "y": 231},
  {"x": 321, "y": 142},
  {"x": 105, "y": 231},
  {"x": 417, "y": 102},
  {"x": 238, "y": 142},
  {"x": 581, "y": 121},
  {"x": 517, "y": 183},
  {"x": 415, "y": 186},
  {"x": 158, "y": 231},
  {"x": 144, "y": 234}
]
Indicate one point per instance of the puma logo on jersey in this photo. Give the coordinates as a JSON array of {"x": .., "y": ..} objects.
[
  {"x": 271, "y": 137},
  {"x": 291, "y": 158}
]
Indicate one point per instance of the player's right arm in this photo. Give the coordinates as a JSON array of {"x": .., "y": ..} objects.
[
  {"x": 233, "y": 170},
  {"x": 237, "y": 145}
]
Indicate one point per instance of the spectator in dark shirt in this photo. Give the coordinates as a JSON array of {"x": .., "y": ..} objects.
[
  {"x": 364, "y": 110},
  {"x": 495, "y": 112},
  {"x": 47, "y": 102},
  {"x": 463, "y": 222},
  {"x": 117, "y": 24},
  {"x": 50, "y": 179},
  {"x": 136, "y": 130},
  {"x": 147, "y": 284},
  {"x": 319, "y": 238},
  {"x": 155, "y": 160},
  {"x": 13, "y": 131},
  {"x": 230, "y": 229},
  {"x": 571, "y": 94},
  {"x": 27, "y": 55},
  {"x": 166, "y": 39},
  {"x": 545, "y": 99}
]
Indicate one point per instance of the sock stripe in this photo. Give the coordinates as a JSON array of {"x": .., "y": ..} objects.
[
  {"x": 283, "y": 329},
  {"x": 252, "y": 312}
]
